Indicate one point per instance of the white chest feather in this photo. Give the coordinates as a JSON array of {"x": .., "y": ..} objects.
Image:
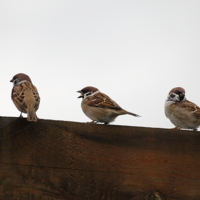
[{"x": 167, "y": 108}]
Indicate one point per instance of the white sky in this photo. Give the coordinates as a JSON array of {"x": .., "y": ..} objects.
[{"x": 134, "y": 51}]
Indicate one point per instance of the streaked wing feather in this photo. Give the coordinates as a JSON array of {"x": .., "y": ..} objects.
[
  {"x": 18, "y": 93},
  {"x": 36, "y": 96},
  {"x": 103, "y": 101},
  {"x": 191, "y": 107}
]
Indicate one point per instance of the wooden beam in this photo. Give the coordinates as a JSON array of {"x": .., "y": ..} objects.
[{"x": 59, "y": 160}]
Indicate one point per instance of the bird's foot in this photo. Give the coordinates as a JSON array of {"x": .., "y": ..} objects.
[
  {"x": 176, "y": 128},
  {"x": 92, "y": 122}
]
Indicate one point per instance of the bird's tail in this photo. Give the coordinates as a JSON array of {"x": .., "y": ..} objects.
[
  {"x": 31, "y": 116},
  {"x": 129, "y": 113}
]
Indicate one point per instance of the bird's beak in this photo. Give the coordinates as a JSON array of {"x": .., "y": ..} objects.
[
  {"x": 11, "y": 80},
  {"x": 81, "y": 94}
]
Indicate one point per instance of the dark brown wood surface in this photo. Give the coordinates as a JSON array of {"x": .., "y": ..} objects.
[{"x": 59, "y": 160}]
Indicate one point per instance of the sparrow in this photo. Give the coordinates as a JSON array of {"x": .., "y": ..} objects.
[
  {"x": 181, "y": 112},
  {"x": 99, "y": 107},
  {"x": 25, "y": 96}
]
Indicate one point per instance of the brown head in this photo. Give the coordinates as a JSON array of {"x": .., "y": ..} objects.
[
  {"x": 177, "y": 90},
  {"x": 87, "y": 91},
  {"x": 176, "y": 94},
  {"x": 20, "y": 78}
]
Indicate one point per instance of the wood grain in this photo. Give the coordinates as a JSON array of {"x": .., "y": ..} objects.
[{"x": 59, "y": 160}]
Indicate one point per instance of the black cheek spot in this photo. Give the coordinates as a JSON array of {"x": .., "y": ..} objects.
[
  {"x": 89, "y": 93},
  {"x": 181, "y": 96},
  {"x": 172, "y": 95}
]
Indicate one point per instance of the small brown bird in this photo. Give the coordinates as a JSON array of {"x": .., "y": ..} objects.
[
  {"x": 181, "y": 112},
  {"x": 25, "y": 96},
  {"x": 99, "y": 107}
]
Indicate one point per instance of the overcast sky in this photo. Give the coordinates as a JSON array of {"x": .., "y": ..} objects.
[{"x": 134, "y": 51}]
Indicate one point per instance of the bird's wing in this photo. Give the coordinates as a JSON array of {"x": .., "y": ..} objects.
[
  {"x": 18, "y": 93},
  {"x": 191, "y": 107},
  {"x": 101, "y": 100}
]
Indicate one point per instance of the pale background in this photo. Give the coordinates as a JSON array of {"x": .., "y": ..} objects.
[{"x": 135, "y": 51}]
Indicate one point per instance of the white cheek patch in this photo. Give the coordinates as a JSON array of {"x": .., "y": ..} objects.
[
  {"x": 86, "y": 94},
  {"x": 175, "y": 98},
  {"x": 20, "y": 82}
]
